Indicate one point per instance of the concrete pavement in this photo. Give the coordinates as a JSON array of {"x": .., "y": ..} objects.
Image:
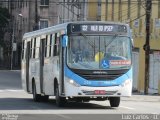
[{"x": 143, "y": 98}]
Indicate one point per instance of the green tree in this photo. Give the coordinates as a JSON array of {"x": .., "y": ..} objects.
[{"x": 4, "y": 22}]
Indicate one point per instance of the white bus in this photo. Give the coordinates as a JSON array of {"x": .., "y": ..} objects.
[{"x": 78, "y": 61}]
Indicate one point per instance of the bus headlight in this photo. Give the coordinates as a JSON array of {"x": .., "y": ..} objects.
[
  {"x": 126, "y": 82},
  {"x": 72, "y": 82}
]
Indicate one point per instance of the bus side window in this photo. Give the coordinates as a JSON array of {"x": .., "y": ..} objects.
[
  {"x": 23, "y": 49},
  {"x": 37, "y": 47},
  {"x": 34, "y": 48},
  {"x": 45, "y": 55},
  {"x": 50, "y": 45},
  {"x": 56, "y": 45},
  {"x": 31, "y": 52}
]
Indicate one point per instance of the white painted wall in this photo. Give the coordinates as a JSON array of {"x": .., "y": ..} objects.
[
  {"x": 135, "y": 59},
  {"x": 154, "y": 72}
]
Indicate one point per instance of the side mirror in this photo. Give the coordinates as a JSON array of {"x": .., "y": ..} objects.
[{"x": 65, "y": 41}]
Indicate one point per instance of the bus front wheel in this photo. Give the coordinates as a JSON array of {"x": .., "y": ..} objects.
[
  {"x": 114, "y": 101},
  {"x": 60, "y": 101}
]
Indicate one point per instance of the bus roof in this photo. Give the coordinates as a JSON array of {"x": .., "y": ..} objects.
[{"x": 63, "y": 26}]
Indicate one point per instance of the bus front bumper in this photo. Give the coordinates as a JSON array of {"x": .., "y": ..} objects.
[{"x": 74, "y": 90}]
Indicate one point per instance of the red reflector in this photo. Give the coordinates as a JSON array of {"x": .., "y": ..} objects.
[{"x": 99, "y": 92}]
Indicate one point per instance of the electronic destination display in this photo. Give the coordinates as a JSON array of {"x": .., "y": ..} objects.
[{"x": 99, "y": 28}]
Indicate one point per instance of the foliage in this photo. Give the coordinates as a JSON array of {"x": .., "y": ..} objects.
[{"x": 4, "y": 22}]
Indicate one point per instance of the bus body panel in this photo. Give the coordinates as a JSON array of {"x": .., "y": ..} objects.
[
  {"x": 51, "y": 72},
  {"x": 74, "y": 84},
  {"x": 123, "y": 89},
  {"x": 23, "y": 74},
  {"x": 86, "y": 91},
  {"x": 35, "y": 74},
  {"x": 48, "y": 76},
  {"x": 100, "y": 83}
]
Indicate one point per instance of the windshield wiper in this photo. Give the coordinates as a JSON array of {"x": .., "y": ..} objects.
[
  {"x": 114, "y": 37},
  {"x": 82, "y": 34}
]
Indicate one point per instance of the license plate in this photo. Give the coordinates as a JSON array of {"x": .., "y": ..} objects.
[{"x": 99, "y": 92}]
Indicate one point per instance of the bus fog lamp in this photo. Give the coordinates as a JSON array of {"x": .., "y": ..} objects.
[
  {"x": 127, "y": 82},
  {"x": 73, "y": 83}
]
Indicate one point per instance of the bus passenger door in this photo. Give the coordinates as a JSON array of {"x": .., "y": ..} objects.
[
  {"x": 27, "y": 64},
  {"x": 42, "y": 50}
]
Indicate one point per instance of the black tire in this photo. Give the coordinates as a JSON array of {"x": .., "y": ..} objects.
[
  {"x": 36, "y": 97},
  {"x": 60, "y": 101},
  {"x": 114, "y": 101},
  {"x": 45, "y": 98}
]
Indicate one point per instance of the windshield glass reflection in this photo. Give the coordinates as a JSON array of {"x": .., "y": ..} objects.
[{"x": 99, "y": 52}]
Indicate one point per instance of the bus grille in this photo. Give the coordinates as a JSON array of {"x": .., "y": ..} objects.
[
  {"x": 99, "y": 74},
  {"x": 100, "y": 77}
]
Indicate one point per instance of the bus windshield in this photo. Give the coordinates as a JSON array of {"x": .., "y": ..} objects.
[{"x": 104, "y": 52}]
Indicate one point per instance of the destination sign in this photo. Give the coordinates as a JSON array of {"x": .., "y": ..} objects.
[
  {"x": 100, "y": 28},
  {"x": 97, "y": 28}
]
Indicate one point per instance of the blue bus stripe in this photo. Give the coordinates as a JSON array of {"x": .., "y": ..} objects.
[{"x": 95, "y": 83}]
